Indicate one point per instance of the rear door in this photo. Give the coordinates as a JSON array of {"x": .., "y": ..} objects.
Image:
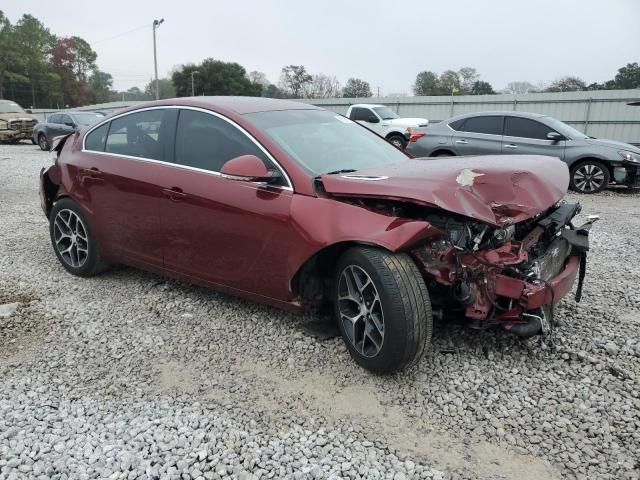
[
  {"x": 54, "y": 127},
  {"x": 525, "y": 136},
  {"x": 123, "y": 166},
  {"x": 481, "y": 135}
]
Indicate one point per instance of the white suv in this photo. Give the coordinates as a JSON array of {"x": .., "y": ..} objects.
[{"x": 385, "y": 122}]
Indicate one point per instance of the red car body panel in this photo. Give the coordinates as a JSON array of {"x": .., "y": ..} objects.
[
  {"x": 477, "y": 187},
  {"x": 252, "y": 239}
]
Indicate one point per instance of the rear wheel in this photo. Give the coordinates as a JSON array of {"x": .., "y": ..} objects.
[
  {"x": 73, "y": 243},
  {"x": 398, "y": 141},
  {"x": 383, "y": 309},
  {"x": 589, "y": 177},
  {"x": 42, "y": 142}
]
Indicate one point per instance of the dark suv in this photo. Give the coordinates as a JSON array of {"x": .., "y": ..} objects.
[{"x": 593, "y": 163}]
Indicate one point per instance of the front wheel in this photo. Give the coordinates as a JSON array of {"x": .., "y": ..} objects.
[
  {"x": 383, "y": 309},
  {"x": 397, "y": 141},
  {"x": 589, "y": 177}
]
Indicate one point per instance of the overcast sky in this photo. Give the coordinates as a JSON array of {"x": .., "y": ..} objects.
[{"x": 384, "y": 42}]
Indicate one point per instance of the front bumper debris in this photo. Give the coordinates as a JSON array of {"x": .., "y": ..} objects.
[{"x": 518, "y": 281}]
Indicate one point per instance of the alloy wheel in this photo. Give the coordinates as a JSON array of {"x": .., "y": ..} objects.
[
  {"x": 397, "y": 142},
  {"x": 588, "y": 178},
  {"x": 71, "y": 238},
  {"x": 360, "y": 310},
  {"x": 42, "y": 141}
]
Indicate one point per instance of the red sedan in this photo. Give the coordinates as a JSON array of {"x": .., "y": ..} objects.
[{"x": 299, "y": 207}]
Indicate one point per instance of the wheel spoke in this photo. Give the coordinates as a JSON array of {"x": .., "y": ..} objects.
[{"x": 70, "y": 238}]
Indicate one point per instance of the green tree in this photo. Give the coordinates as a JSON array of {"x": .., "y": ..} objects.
[
  {"x": 73, "y": 59},
  {"x": 427, "y": 83},
  {"x": 8, "y": 50},
  {"x": 449, "y": 82},
  {"x": 481, "y": 87},
  {"x": 100, "y": 84},
  {"x": 468, "y": 77},
  {"x": 273, "y": 91},
  {"x": 356, "y": 88},
  {"x": 628, "y": 77},
  {"x": 165, "y": 85},
  {"x": 295, "y": 81},
  {"x": 567, "y": 84},
  {"x": 214, "y": 77},
  {"x": 33, "y": 41}
]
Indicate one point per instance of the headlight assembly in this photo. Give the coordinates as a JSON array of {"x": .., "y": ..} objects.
[{"x": 629, "y": 156}]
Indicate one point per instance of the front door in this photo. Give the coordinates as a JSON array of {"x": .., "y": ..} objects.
[
  {"x": 226, "y": 232},
  {"x": 525, "y": 136}
]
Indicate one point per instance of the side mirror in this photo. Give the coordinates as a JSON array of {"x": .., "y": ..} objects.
[
  {"x": 70, "y": 124},
  {"x": 373, "y": 119},
  {"x": 555, "y": 137},
  {"x": 248, "y": 168}
]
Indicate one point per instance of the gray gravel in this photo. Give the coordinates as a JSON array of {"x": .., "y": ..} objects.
[{"x": 130, "y": 375}]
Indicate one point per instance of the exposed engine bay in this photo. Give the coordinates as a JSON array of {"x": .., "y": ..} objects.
[{"x": 510, "y": 276}]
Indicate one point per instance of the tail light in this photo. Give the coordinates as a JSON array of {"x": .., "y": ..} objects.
[{"x": 416, "y": 136}]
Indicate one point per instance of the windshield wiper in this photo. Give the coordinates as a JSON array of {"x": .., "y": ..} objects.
[{"x": 336, "y": 172}]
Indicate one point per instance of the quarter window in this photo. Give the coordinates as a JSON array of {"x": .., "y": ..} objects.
[
  {"x": 491, "y": 125},
  {"x": 457, "y": 124},
  {"x": 96, "y": 139},
  {"x": 137, "y": 135},
  {"x": 208, "y": 142},
  {"x": 525, "y": 128}
]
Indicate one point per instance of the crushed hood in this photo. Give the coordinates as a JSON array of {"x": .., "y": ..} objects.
[
  {"x": 498, "y": 189},
  {"x": 17, "y": 116}
]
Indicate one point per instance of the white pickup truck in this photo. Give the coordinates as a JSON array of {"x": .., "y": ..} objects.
[{"x": 385, "y": 122}]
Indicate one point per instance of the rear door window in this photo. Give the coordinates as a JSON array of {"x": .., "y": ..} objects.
[
  {"x": 526, "y": 128},
  {"x": 490, "y": 125},
  {"x": 208, "y": 142},
  {"x": 55, "y": 118},
  {"x": 137, "y": 135}
]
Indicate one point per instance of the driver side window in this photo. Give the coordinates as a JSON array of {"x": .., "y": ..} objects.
[{"x": 136, "y": 135}]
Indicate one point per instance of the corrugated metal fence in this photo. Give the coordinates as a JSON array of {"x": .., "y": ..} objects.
[{"x": 603, "y": 114}]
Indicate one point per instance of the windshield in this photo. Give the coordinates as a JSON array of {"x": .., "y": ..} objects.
[
  {"x": 385, "y": 113},
  {"x": 323, "y": 142},
  {"x": 565, "y": 129},
  {"x": 8, "y": 107},
  {"x": 86, "y": 118}
]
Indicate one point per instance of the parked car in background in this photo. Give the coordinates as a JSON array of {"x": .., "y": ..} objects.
[
  {"x": 62, "y": 123},
  {"x": 15, "y": 123},
  {"x": 385, "y": 122},
  {"x": 295, "y": 206},
  {"x": 593, "y": 163}
]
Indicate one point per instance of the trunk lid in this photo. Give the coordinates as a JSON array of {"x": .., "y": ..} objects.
[{"x": 499, "y": 189}]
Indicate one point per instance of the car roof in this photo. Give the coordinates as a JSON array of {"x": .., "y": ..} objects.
[
  {"x": 367, "y": 105},
  {"x": 238, "y": 105},
  {"x": 511, "y": 113}
]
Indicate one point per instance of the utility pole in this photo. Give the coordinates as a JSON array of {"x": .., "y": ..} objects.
[
  {"x": 193, "y": 90},
  {"x": 156, "y": 24},
  {"x": 378, "y": 91}
]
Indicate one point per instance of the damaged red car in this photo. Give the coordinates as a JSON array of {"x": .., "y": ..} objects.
[{"x": 298, "y": 207}]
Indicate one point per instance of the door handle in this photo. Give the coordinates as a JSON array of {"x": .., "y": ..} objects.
[
  {"x": 462, "y": 142},
  {"x": 510, "y": 145},
  {"x": 174, "y": 193},
  {"x": 92, "y": 172}
]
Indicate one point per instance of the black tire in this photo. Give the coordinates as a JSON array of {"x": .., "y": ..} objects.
[
  {"x": 404, "y": 302},
  {"x": 397, "y": 141},
  {"x": 589, "y": 177},
  {"x": 444, "y": 154},
  {"x": 64, "y": 232},
  {"x": 42, "y": 142}
]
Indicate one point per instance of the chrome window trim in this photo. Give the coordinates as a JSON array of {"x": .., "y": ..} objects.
[{"x": 289, "y": 185}]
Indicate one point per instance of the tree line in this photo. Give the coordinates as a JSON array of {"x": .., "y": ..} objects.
[{"x": 41, "y": 69}]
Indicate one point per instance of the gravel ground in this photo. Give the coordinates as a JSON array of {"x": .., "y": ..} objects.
[{"x": 130, "y": 375}]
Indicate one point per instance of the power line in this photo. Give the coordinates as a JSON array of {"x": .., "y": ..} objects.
[{"x": 121, "y": 34}]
